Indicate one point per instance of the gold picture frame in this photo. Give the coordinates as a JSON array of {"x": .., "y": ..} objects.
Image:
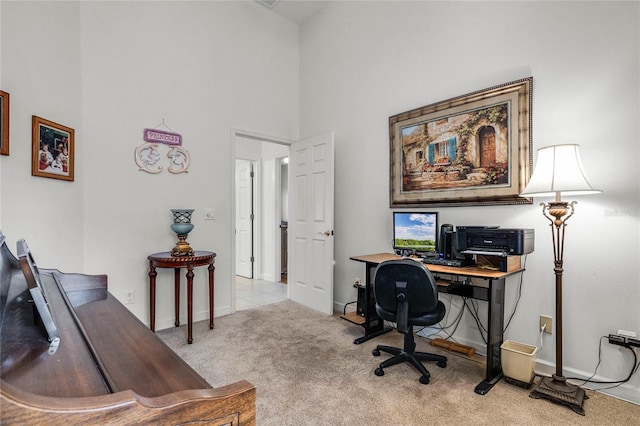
[
  {"x": 52, "y": 150},
  {"x": 4, "y": 123},
  {"x": 474, "y": 149}
]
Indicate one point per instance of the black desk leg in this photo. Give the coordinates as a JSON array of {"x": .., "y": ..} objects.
[
  {"x": 495, "y": 336},
  {"x": 366, "y": 337}
]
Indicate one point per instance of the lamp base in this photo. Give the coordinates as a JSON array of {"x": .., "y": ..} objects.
[
  {"x": 556, "y": 389},
  {"x": 182, "y": 247}
]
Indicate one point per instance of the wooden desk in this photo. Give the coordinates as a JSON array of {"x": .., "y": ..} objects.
[
  {"x": 493, "y": 294},
  {"x": 165, "y": 260}
]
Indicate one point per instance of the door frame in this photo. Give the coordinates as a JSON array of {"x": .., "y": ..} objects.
[{"x": 247, "y": 134}]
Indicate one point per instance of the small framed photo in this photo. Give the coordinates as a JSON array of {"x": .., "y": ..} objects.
[
  {"x": 52, "y": 148},
  {"x": 474, "y": 149},
  {"x": 4, "y": 123}
]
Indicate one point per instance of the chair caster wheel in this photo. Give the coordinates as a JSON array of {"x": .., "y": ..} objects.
[
  {"x": 424, "y": 380},
  {"x": 376, "y": 352},
  {"x": 442, "y": 364},
  {"x": 380, "y": 372}
]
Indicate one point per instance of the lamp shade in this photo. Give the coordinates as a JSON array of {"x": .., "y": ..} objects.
[{"x": 558, "y": 170}]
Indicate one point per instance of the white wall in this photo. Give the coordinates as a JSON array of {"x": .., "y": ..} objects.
[
  {"x": 41, "y": 72},
  {"x": 109, "y": 70},
  {"x": 383, "y": 58}
]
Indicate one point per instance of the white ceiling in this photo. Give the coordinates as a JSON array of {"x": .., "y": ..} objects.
[{"x": 296, "y": 11}]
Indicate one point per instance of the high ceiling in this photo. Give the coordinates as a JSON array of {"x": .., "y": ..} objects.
[{"x": 296, "y": 11}]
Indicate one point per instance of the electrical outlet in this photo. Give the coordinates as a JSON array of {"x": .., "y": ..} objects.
[
  {"x": 129, "y": 297},
  {"x": 356, "y": 282},
  {"x": 547, "y": 323},
  {"x": 210, "y": 213}
]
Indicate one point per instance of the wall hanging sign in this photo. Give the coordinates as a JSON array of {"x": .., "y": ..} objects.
[
  {"x": 474, "y": 149},
  {"x": 147, "y": 155},
  {"x": 52, "y": 149},
  {"x": 160, "y": 136}
]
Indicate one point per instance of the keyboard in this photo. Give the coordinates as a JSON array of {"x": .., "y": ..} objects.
[{"x": 456, "y": 263}]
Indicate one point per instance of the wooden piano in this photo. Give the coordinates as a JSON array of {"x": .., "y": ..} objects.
[{"x": 72, "y": 354}]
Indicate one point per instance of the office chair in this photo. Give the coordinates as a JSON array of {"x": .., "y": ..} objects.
[{"x": 406, "y": 293}]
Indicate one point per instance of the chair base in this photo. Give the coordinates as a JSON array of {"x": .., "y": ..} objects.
[{"x": 408, "y": 354}]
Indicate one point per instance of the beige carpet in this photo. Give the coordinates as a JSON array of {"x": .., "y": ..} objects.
[{"x": 307, "y": 371}]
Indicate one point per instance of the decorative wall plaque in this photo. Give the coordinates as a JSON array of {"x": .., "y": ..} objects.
[{"x": 147, "y": 155}]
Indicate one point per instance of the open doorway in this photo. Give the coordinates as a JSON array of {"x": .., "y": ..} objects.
[{"x": 261, "y": 194}]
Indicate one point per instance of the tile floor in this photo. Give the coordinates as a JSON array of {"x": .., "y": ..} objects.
[{"x": 252, "y": 293}]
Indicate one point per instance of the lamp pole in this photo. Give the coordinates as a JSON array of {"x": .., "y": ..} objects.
[
  {"x": 556, "y": 387},
  {"x": 556, "y": 212}
]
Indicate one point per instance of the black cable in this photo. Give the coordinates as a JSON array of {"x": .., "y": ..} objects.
[
  {"x": 515, "y": 307},
  {"x": 456, "y": 320},
  {"x": 344, "y": 309},
  {"x": 477, "y": 319},
  {"x": 443, "y": 328},
  {"x": 476, "y": 313},
  {"x": 634, "y": 369},
  {"x": 474, "y": 304},
  {"x": 455, "y": 324}
]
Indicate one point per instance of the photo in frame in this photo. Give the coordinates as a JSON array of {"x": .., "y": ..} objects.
[
  {"x": 4, "y": 123},
  {"x": 52, "y": 148},
  {"x": 474, "y": 149}
]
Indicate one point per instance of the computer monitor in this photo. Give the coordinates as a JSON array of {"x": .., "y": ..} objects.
[{"x": 415, "y": 231}]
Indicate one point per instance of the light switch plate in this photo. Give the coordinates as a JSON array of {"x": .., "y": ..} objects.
[{"x": 210, "y": 213}]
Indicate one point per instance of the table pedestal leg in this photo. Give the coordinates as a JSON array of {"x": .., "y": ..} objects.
[
  {"x": 176, "y": 297},
  {"x": 211, "y": 269},
  {"x": 189, "y": 303},
  {"x": 152, "y": 297}
]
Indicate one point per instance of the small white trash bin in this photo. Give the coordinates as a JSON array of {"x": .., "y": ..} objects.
[{"x": 518, "y": 360}]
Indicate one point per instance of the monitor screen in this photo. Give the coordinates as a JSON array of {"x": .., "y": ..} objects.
[{"x": 416, "y": 231}]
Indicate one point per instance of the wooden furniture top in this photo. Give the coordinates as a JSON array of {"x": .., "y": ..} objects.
[
  {"x": 469, "y": 271},
  {"x": 108, "y": 367},
  {"x": 166, "y": 260}
]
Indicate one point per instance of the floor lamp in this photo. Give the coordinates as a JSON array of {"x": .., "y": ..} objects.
[{"x": 559, "y": 171}]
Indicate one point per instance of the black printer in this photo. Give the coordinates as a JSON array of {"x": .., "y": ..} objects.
[{"x": 494, "y": 241}]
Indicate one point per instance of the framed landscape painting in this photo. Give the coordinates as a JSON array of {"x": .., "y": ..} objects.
[
  {"x": 52, "y": 150},
  {"x": 474, "y": 149}
]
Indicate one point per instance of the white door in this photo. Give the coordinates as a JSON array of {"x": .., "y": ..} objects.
[
  {"x": 244, "y": 218},
  {"x": 310, "y": 268}
]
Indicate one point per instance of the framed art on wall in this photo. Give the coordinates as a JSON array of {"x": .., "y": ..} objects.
[
  {"x": 52, "y": 147},
  {"x": 4, "y": 123},
  {"x": 474, "y": 149}
]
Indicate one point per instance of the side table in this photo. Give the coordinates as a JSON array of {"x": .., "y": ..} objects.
[{"x": 165, "y": 260}]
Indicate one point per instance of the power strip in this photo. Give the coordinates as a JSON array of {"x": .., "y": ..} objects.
[{"x": 616, "y": 339}]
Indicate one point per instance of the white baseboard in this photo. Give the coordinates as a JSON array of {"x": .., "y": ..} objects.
[{"x": 203, "y": 315}]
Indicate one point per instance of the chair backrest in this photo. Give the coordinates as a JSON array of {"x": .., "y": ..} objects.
[{"x": 421, "y": 288}]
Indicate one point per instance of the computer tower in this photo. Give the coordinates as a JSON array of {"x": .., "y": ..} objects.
[
  {"x": 445, "y": 241},
  {"x": 456, "y": 254},
  {"x": 362, "y": 303}
]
